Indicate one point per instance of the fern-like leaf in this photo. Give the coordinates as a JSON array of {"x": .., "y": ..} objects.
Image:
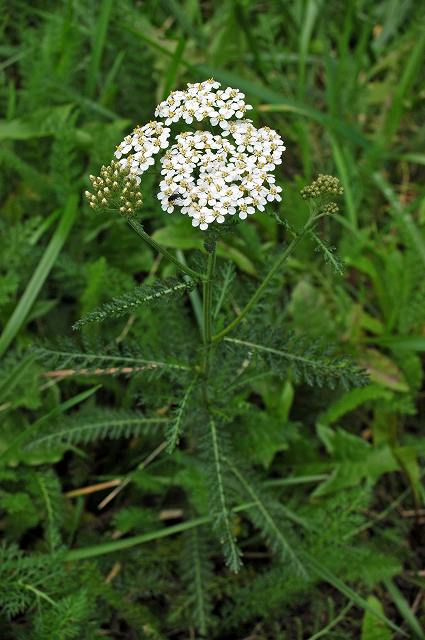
[
  {"x": 160, "y": 292},
  {"x": 228, "y": 275},
  {"x": 265, "y": 516},
  {"x": 198, "y": 575},
  {"x": 222, "y": 520},
  {"x": 24, "y": 579},
  {"x": 328, "y": 252},
  {"x": 95, "y": 425},
  {"x": 50, "y": 497},
  {"x": 66, "y": 619},
  {"x": 174, "y": 430},
  {"x": 69, "y": 359},
  {"x": 305, "y": 360}
]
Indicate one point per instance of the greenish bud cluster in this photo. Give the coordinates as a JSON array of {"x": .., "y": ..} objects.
[
  {"x": 115, "y": 188},
  {"x": 330, "y": 208},
  {"x": 323, "y": 185}
]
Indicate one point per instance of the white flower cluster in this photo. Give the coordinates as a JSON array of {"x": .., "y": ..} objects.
[
  {"x": 203, "y": 100},
  {"x": 145, "y": 142},
  {"x": 208, "y": 176}
]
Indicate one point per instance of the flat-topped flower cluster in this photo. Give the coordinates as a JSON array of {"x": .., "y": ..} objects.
[
  {"x": 203, "y": 100},
  {"x": 207, "y": 176}
]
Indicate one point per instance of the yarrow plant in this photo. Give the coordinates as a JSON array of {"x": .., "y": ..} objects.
[
  {"x": 195, "y": 421},
  {"x": 214, "y": 178}
]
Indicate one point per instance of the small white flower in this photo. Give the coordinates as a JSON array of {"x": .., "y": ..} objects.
[{"x": 200, "y": 222}]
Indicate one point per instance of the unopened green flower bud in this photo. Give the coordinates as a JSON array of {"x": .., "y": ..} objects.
[
  {"x": 122, "y": 193},
  {"x": 323, "y": 185},
  {"x": 330, "y": 208}
]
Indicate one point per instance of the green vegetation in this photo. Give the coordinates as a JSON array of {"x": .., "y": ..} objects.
[{"x": 212, "y": 434}]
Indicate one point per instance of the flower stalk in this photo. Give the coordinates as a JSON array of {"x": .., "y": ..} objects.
[
  {"x": 259, "y": 291},
  {"x": 160, "y": 249},
  {"x": 207, "y": 307}
]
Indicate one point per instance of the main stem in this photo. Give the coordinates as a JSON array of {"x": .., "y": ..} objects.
[
  {"x": 258, "y": 293},
  {"x": 207, "y": 311},
  {"x": 150, "y": 241}
]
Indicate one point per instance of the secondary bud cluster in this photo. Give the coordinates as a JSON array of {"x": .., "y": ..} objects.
[
  {"x": 324, "y": 185},
  {"x": 330, "y": 208},
  {"x": 115, "y": 188}
]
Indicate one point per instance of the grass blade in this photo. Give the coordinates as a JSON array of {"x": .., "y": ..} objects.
[
  {"x": 405, "y": 610},
  {"x": 173, "y": 67},
  {"x": 276, "y": 102},
  {"x": 345, "y": 181},
  {"x": 18, "y": 317},
  {"x": 410, "y": 74},
  {"x": 98, "y": 44},
  {"x": 324, "y": 574},
  {"x": 183, "y": 18},
  {"x": 400, "y": 214},
  {"x": 309, "y": 18},
  {"x": 127, "y": 543}
]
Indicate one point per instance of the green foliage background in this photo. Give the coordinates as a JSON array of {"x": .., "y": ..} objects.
[{"x": 327, "y": 505}]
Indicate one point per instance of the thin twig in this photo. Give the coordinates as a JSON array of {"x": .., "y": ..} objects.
[
  {"x": 126, "y": 329},
  {"x": 127, "y": 480},
  {"x": 93, "y": 488},
  {"x": 333, "y": 623},
  {"x": 65, "y": 373},
  {"x": 113, "y": 572},
  {"x": 416, "y": 602}
]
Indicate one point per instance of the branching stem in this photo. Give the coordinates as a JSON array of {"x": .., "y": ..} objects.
[
  {"x": 150, "y": 241},
  {"x": 258, "y": 293}
]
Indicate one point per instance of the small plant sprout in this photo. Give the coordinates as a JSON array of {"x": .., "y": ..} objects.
[{"x": 218, "y": 176}]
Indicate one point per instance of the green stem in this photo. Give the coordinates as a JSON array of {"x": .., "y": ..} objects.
[
  {"x": 207, "y": 313},
  {"x": 150, "y": 241},
  {"x": 280, "y": 260},
  {"x": 194, "y": 297},
  {"x": 38, "y": 593},
  {"x": 207, "y": 298}
]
